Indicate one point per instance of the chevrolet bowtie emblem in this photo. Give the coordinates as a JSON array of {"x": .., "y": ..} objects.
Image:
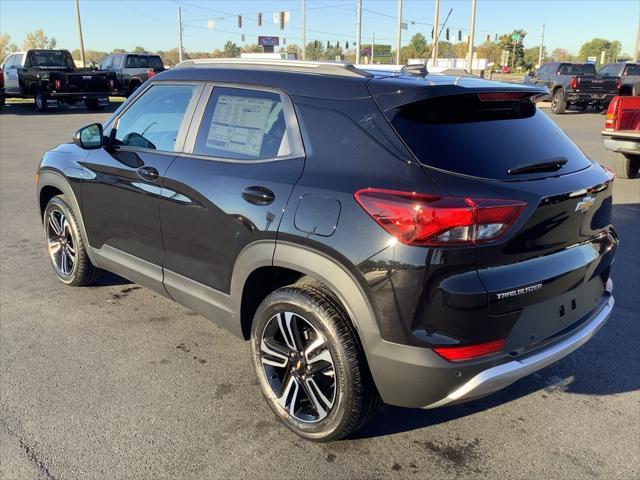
[{"x": 585, "y": 204}]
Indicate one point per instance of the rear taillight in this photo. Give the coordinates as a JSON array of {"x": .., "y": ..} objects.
[
  {"x": 573, "y": 83},
  {"x": 151, "y": 73},
  {"x": 468, "y": 352},
  {"x": 418, "y": 219},
  {"x": 618, "y": 84},
  {"x": 57, "y": 84},
  {"x": 610, "y": 119}
]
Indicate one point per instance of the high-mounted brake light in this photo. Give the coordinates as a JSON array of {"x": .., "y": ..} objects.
[
  {"x": 419, "y": 219},
  {"x": 58, "y": 84},
  {"x": 573, "y": 83},
  {"x": 457, "y": 354},
  {"x": 610, "y": 119},
  {"x": 502, "y": 96}
]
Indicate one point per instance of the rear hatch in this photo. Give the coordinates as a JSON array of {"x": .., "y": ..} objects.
[
  {"x": 87, "y": 80},
  {"x": 485, "y": 140},
  {"x": 596, "y": 85}
]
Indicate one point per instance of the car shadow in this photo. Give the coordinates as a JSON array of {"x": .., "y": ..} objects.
[
  {"x": 79, "y": 108},
  {"x": 111, "y": 280},
  {"x": 609, "y": 364}
]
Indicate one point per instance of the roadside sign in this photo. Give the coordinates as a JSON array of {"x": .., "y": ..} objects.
[
  {"x": 211, "y": 24},
  {"x": 269, "y": 41},
  {"x": 379, "y": 50},
  {"x": 516, "y": 37},
  {"x": 592, "y": 59}
]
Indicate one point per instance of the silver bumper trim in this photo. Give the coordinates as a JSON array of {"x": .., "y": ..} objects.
[{"x": 495, "y": 378}]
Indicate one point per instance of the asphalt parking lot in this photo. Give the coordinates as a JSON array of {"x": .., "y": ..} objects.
[{"x": 114, "y": 382}]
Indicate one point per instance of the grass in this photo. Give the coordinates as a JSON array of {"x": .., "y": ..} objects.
[{"x": 17, "y": 101}]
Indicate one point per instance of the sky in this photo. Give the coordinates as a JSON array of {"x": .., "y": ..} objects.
[{"x": 152, "y": 24}]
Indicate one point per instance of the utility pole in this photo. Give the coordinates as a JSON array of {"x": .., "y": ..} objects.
[
  {"x": 304, "y": 31},
  {"x": 636, "y": 53},
  {"x": 373, "y": 44},
  {"x": 80, "y": 34},
  {"x": 541, "y": 48},
  {"x": 358, "y": 29},
  {"x": 399, "y": 32},
  {"x": 472, "y": 30},
  {"x": 179, "y": 34},
  {"x": 436, "y": 26}
]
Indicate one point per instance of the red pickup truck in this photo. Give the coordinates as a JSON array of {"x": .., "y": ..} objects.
[{"x": 621, "y": 134}]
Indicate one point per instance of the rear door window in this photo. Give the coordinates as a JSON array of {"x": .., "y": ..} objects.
[
  {"x": 483, "y": 138},
  {"x": 632, "y": 69},
  {"x": 106, "y": 63},
  {"x": 243, "y": 124},
  {"x": 155, "y": 119}
]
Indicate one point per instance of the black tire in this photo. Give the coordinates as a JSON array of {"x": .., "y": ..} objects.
[
  {"x": 59, "y": 221},
  {"x": 626, "y": 166},
  {"x": 41, "y": 101},
  {"x": 133, "y": 86},
  {"x": 93, "y": 104},
  {"x": 317, "y": 315},
  {"x": 558, "y": 102}
]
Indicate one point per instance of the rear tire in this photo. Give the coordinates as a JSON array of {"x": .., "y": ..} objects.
[
  {"x": 66, "y": 246},
  {"x": 558, "y": 102},
  {"x": 41, "y": 101},
  {"x": 335, "y": 367},
  {"x": 626, "y": 166}
]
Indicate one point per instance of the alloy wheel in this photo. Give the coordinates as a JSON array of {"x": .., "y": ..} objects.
[
  {"x": 62, "y": 247},
  {"x": 298, "y": 366}
]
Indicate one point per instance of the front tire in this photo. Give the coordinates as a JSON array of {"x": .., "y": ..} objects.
[
  {"x": 66, "y": 247},
  {"x": 558, "y": 102},
  {"x": 626, "y": 166},
  {"x": 310, "y": 367}
]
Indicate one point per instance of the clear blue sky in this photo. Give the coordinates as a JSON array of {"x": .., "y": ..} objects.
[{"x": 109, "y": 24}]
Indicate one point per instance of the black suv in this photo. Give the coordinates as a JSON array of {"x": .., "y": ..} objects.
[
  {"x": 132, "y": 69},
  {"x": 361, "y": 229}
]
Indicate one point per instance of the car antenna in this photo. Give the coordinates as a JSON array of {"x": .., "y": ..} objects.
[{"x": 437, "y": 38}]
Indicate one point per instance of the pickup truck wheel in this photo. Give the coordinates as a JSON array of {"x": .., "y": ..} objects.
[
  {"x": 558, "y": 102},
  {"x": 132, "y": 88},
  {"x": 41, "y": 102},
  {"x": 626, "y": 166},
  {"x": 66, "y": 247},
  {"x": 310, "y": 367},
  {"x": 93, "y": 104}
]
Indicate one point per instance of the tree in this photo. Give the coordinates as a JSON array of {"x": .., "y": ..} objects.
[
  {"x": 169, "y": 57},
  {"x": 231, "y": 50},
  {"x": 491, "y": 51},
  {"x": 419, "y": 44},
  {"x": 461, "y": 49},
  {"x": 139, "y": 50},
  {"x": 118, "y": 50},
  {"x": 332, "y": 52},
  {"x": 507, "y": 43},
  {"x": 314, "y": 50},
  {"x": 6, "y": 47},
  {"x": 531, "y": 57},
  {"x": 595, "y": 47},
  {"x": 561, "y": 55},
  {"x": 38, "y": 39},
  {"x": 255, "y": 48}
]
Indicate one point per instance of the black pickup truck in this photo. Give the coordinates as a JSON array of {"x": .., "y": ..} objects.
[
  {"x": 575, "y": 84},
  {"x": 52, "y": 76},
  {"x": 132, "y": 69}
]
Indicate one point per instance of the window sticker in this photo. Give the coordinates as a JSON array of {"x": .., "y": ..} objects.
[{"x": 239, "y": 124}]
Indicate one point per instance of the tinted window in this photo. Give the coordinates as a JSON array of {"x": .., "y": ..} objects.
[
  {"x": 482, "y": 138},
  {"x": 632, "y": 69},
  {"x": 51, "y": 59},
  {"x": 154, "y": 120},
  {"x": 244, "y": 125},
  {"x": 577, "y": 69},
  {"x": 143, "y": 61}
]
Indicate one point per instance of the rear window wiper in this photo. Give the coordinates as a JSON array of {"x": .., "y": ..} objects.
[{"x": 551, "y": 166}]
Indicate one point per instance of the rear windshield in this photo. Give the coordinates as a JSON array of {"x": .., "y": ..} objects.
[
  {"x": 483, "y": 138},
  {"x": 632, "y": 69},
  {"x": 50, "y": 59},
  {"x": 577, "y": 69},
  {"x": 143, "y": 61}
]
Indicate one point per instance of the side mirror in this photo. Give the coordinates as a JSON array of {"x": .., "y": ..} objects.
[
  {"x": 532, "y": 73},
  {"x": 89, "y": 137}
]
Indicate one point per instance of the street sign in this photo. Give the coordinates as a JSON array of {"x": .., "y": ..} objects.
[
  {"x": 592, "y": 59},
  {"x": 379, "y": 50},
  {"x": 269, "y": 41},
  {"x": 516, "y": 37}
]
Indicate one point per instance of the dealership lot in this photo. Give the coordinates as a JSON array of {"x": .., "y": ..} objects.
[{"x": 115, "y": 382}]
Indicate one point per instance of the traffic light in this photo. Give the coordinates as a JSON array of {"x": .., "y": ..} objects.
[
  {"x": 488, "y": 37},
  {"x": 239, "y": 21},
  {"x": 459, "y": 35},
  {"x": 328, "y": 45},
  {"x": 432, "y": 34},
  {"x": 281, "y": 20},
  {"x": 337, "y": 44},
  {"x": 259, "y": 19},
  {"x": 447, "y": 34},
  {"x": 346, "y": 47}
]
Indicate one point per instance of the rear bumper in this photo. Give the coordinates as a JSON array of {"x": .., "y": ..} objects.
[
  {"x": 80, "y": 95},
  {"x": 621, "y": 144},
  {"x": 417, "y": 377},
  {"x": 591, "y": 98}
]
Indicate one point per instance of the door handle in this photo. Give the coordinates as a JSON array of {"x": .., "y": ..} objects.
[
  {"x": 148, "y": 173},
  {"x": 258, "y": 195}
]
